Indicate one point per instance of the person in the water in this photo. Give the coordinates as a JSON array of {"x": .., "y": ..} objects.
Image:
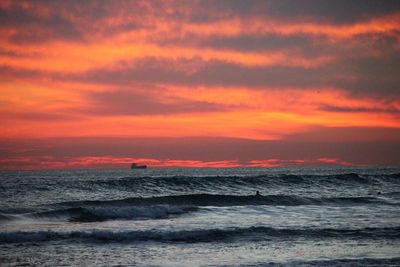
[{"x": 258, "y": 193}]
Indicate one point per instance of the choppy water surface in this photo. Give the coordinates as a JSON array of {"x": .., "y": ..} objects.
[{"x": 201, "y": 217}]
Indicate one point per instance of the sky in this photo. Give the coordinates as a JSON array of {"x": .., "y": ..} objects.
[{"x": 101, "y": 84}]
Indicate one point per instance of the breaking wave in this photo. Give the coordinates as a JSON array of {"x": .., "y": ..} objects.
[
  {"x": 201, "y": 235},
  {"x": 198, "y": 200},
  {"x": 99, "y": 213}
]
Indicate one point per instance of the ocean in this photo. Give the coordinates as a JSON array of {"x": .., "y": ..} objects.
[{"x": 323, "y": 216}]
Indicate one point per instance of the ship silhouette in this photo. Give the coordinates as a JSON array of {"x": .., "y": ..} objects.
[{"x": 137, "y": 166}]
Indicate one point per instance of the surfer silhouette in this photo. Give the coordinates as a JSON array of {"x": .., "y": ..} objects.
[{"x": 258, "y": 193}]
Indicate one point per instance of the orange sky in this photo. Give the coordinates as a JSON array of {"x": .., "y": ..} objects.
[{"x": 267, "y": 71}]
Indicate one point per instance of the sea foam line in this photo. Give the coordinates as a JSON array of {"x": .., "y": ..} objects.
[{"x": 199, "y": 235}]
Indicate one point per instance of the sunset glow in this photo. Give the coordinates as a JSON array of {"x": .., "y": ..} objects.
[{"x": 177, "y": 73}]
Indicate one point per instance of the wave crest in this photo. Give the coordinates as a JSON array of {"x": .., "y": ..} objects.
[
  {"x": 246, "y": 181},
  {"x": 198, "y": 200},
  {"x": 102, "y": 213},
  {"x": 201, "y": 235}
]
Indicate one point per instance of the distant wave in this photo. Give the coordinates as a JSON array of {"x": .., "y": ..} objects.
[
  {"x": 198, "y": 200},
  {"x": 265, "y": 180},
  {"x": 200, "y": 235}
]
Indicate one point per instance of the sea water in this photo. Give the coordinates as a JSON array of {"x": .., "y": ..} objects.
[{"x": 201, "y": 217}]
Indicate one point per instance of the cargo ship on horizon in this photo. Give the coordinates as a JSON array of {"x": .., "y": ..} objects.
[{"x": 137, "y": 166}]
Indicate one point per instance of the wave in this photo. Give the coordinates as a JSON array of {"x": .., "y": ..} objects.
[
  {"x": 198, "y": 200},
  {"x": 99, "y": 213},
  {"x": 199, "y": 235},
  {"x": 163, "y": 207},
  {"x": 256, "y": 180}
]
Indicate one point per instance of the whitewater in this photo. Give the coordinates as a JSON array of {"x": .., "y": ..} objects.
[{"x": 310, "y": 216}]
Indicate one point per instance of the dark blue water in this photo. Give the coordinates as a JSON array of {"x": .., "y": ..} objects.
[{"x": 201, "y": 217}]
